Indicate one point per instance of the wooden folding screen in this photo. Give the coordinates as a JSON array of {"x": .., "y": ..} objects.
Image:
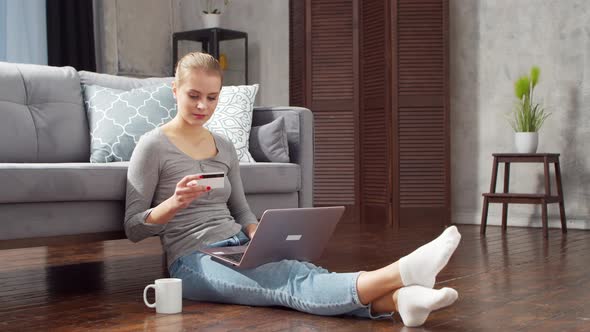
[{"x": 375, "y": 75}]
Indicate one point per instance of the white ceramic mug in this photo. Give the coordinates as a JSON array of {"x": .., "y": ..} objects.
[{"x": 168, "y": 295}]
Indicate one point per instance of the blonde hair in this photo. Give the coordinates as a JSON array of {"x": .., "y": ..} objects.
[{"x": 196, "y": 60}]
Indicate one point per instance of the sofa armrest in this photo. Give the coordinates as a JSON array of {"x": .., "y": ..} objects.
[{"x": 300, "y": 134}]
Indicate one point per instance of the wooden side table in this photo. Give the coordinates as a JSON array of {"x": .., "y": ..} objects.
[{"x": 506, "y": 197}]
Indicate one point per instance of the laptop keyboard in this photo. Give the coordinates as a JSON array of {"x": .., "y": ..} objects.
[{"x": 234, "y": 257}]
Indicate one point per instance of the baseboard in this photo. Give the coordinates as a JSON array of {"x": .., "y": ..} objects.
[{"x": 519, "y": 221}]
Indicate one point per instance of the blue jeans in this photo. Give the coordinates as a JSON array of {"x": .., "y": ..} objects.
[{"x": 298, "y": 285}]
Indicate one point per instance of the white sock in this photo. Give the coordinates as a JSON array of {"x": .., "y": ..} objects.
[
  {"x": 415, "y": 303},
  {"x": 423, "y": 264}
]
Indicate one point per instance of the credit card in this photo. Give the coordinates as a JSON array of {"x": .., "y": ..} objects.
[{"x": 215, "y": 180}]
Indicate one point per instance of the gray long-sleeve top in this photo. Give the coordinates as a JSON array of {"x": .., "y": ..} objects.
[{"x": 156, "y": 166}]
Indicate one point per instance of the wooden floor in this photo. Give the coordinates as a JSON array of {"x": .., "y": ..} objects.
[{"x": 506, "y": 283}]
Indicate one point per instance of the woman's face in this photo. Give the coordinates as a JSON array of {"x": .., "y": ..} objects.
[{"x": 197, "y": 96}]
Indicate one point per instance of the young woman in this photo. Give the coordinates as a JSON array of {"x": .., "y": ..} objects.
[{"x": 163, "y": 199}]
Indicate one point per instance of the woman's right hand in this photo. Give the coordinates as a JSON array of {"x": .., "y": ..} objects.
[{"x": 187, "y": 190}]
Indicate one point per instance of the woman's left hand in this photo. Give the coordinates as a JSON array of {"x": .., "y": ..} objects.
[{"x": 251, "y": 230}]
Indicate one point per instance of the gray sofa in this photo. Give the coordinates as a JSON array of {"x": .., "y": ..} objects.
[{"x": 48, "y": 188}]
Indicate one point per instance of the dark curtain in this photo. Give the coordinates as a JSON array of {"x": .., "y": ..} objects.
[{"x": 70, "y": 34}]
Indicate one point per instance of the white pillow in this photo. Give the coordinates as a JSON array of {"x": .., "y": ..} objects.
[{"x": 233, "y": 117}]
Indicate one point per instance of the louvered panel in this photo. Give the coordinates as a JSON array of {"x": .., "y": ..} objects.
[
  {"x": 374, "y": 120},
  {"x": 334, "y": 158},
  {"x": 421, "y": 118},
  {"x": 421, "y": 52},
  {"x": 373, "y": 53},
  {"x": 296, "y": 53},
  {"x": 422, "y": 158},
  {"x": 374, "y": 157},
  {"x": 331, "y": 45}
]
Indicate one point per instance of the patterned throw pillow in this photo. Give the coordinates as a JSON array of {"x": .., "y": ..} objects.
[
  {"x": 118, "y": 118},
  {"x": 233, "y": 117}
]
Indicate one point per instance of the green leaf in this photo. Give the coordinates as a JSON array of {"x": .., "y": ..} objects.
[
  {"x": 535, "y": 72},
  {"x": 521, "y": 87}
]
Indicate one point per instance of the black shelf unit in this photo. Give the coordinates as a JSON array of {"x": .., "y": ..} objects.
[{"x": 209, "y": 39}]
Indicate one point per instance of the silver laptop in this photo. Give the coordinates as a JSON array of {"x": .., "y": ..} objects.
[{"x": 298, "y": 233}]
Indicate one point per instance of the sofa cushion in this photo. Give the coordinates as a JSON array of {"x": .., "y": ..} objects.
[
  {"x": 63, "y": 182},
  {"x": 42, "y": 116},
  {"x": 270, "y": 177},
  {"x": 118, "y": 118},
  {"x": 261, "y": 202},
  {"x": 269, "y": 143}
]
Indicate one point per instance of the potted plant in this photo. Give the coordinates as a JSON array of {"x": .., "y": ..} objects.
[
  {"x": 211, "y": 13},
  {"x": 527, "y": 116}
]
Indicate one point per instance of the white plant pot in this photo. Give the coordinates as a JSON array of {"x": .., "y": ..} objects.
[
  {"x": 526, "y": 142},
  {"x": 211, "y": 20}
]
